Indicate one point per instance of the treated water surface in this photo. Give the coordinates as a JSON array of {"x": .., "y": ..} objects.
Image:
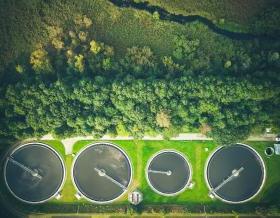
[
  {"x": 177, "y": 165},
  {"x": 112, "y": 162},
  {"x": 45, "y": 162},
  {"x": 227, "y": 159}
]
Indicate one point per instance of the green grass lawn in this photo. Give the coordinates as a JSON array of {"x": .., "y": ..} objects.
[
  {"x": 140, "y": 151},
  {"x": 57, "y": 145},
  {"x": 271, "y": 191},
  {"x": 197, "y": 156}
]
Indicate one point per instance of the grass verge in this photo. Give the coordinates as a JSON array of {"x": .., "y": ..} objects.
[{"x": 140, "y": 151}]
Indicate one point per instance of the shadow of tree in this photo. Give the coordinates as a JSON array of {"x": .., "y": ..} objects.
[{"x": 271, "y": 196}]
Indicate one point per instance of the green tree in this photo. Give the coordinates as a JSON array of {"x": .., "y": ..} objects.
[
  {"x": 163, "y": 119},
  {"x": 40, "y": 61},
  {"x": 79, "y": 63}
]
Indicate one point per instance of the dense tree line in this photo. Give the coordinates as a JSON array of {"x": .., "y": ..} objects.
[{"x": 75, "y": 85}]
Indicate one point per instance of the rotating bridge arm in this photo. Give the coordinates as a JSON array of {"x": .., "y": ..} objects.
[
  {"x": 102, "y": 173},
  {"x": 25, "y": 168},
  {"x": 234, "y": 174}
]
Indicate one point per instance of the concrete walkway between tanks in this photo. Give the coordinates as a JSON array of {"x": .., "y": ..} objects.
[{"x": 69, "y": 142}]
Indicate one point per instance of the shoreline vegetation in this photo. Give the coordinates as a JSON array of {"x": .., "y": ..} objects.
[
  {"x": 23, "y": 27},
  {"x": 249, "y": 16},
  {"x": 218, "y": 27}
]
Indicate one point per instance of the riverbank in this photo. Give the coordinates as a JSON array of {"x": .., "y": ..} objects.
[
  {"x": 183, "y": 19},
  {"x": 237, "y": 16},
  {"x": 121, "y": 26}
]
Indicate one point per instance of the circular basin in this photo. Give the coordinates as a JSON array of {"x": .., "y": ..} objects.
[
  {"x": 101, "y": 172},
  {"x": 34, "y": 172},
  {"x": 235, "y": 173},
  {"x": 168, "y": 172}
]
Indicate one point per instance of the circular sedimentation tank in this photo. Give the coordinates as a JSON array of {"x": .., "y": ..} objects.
[
  {"x": 168, "y": 172},
  {"x": 235, "y": 173},
  {"x": 101, "y": 172},
  {"x": 34, "y": 172}
]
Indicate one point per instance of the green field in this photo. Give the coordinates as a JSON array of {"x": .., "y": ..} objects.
[{"x": 140, "y": 151}]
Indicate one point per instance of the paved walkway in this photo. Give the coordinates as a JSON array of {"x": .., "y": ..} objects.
[{"x": 69, "y": 142}]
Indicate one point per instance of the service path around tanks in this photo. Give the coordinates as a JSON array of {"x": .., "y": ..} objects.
[{"x": 69, "y": 142}]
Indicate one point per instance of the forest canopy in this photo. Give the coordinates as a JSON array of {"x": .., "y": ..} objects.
[{"x": 76, "y": 85}]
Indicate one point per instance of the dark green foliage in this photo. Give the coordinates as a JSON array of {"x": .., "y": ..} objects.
[
  {"x": 85, "y": 106},
  {"x": 230, "y": 135},
  {"x": 254, "y": 16},
  {"x": 266, "y": 21},
  {"x": 75, "y": 85}
]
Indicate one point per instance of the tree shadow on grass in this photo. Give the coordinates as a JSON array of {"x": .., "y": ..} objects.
[{"x": 271, "y": 196}]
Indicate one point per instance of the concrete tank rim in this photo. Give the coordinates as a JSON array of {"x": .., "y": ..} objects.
[
  {"x": 48, "y": 147},
  {"x": 167, "y": 151},
  {"x": 91, "y": 145},
  {"x": 261, "y": 161}
]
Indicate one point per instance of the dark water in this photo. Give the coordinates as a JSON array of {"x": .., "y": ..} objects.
[
  {"x": 30, "y": 188},
  {"x": 233, "y": 157},
  {"x": 106, "y": 157},
  {"x": 179, "y": 168},
  {"x": 183, "y": 19}
]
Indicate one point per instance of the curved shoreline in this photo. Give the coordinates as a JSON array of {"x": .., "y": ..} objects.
[{"x": 183, "y": 19}]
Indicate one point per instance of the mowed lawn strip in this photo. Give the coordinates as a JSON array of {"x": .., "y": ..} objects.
[
  {"x": 68, "y": 190},
  {"x": 271, "y": 190},
  {"x": 57, "y": 145},
  {"x": 197, "y": 152}
]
